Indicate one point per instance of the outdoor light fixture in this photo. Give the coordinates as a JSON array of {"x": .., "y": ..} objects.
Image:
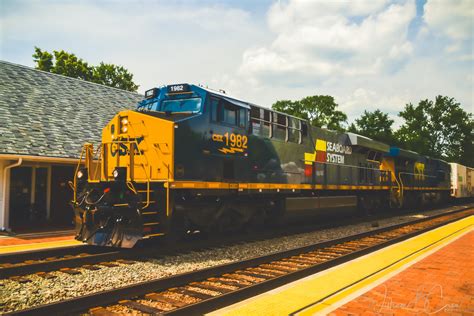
[{"x": 124, "y": 124}]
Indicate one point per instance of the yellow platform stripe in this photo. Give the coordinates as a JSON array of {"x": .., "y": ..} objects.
[
  {"x": 313, "y": 294},
  {"x": 39, "y": 245}
]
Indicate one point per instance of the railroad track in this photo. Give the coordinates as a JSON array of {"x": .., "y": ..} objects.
[
  {"x": 208, "y": 289},
  {"x": 18, "y": 266}
]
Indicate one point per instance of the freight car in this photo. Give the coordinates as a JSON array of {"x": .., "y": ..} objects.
[
  {"x": 462, "y": 179},
  {"x": 191, "y": 158}
]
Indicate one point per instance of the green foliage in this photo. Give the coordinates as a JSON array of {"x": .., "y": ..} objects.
[
  {"x": 68, "y": 64},
  {"x": 440, "y": 129},
  {"x": 43, "y": 60},
  {"x": 376, "y": 125},
  {"x": 114, "y": 76},
  {"x": 320, "y": 110}
]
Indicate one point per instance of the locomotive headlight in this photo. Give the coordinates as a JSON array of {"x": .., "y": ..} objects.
[
  {"x": 82, "y": 175},
  {"x": 120, "y": 174},
  {"x": 124, "y": 124}
]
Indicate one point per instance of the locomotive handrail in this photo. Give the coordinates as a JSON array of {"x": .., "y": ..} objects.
[
  {"x": 412, "y": 174},
  {"x": 98, "y": 154},
  {"x": 75, "y": 174},
  {"x": 385, "y": 172}
]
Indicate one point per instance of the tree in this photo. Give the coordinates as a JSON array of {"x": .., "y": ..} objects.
[
  {"x": 114, "y": 76},
  {"x": 440, "y": 129},
  {"x": 320, "y": 110},
  {"x": 376, "y": 125},
  {"x": 68, "y": 64}
]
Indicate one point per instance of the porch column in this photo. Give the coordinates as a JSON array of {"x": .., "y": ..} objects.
[{"x": 3, "y": 198}]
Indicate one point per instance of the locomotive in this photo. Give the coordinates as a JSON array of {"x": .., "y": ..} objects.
[{"x": 189, "y": 158}]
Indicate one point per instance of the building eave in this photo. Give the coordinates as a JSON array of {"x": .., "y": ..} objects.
[{"x": 39, "y": 158}]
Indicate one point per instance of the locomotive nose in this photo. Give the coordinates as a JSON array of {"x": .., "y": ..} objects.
[{"x": 114, "y": 207}]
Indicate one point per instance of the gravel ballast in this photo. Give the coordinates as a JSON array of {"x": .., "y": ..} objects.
[{"x": 18, "y": 296}]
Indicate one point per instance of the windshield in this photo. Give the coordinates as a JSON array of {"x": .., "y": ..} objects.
[{"x": 181, "y": 105}]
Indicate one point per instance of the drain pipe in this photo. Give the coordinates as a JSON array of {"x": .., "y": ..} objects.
[{"x": 5, "y": 170}]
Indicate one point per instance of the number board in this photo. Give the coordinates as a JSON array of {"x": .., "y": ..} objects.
[
  {"x": 151, "y": 93},
  {"x": 179, "y": 88}
]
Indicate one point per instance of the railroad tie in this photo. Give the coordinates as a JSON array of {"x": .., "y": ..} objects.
[
  {"x": 109, "y": 264},
  {"x": 45, "y": 275},
  {"x": 19, "y": 279},
  {"x": 191, "y": 293},
  {"x": 141, "y": 307},
  {"x": 91, "y": 267},
  {"x": 269, "y": 271},
  {"x": 226, "y": 282},
  {"x": 123, "y": 261},
  {"x": 265, "y": 273},
  {"x": 70, "y": 271},
  {"x": 164, "y": 299},
  {"x": 210, "y": 287},
  {"x": 51, "y": 259},
  {"x": 6, "y": 265},
  {"x": 237, "y": 276},
  {"x": 100, "y": 311},
  {"x": 253, "y": 274}
]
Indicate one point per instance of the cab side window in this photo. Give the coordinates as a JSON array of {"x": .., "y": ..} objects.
[
  {"x": 214, "y": 106},
  {"x": 228, "y": 113}
]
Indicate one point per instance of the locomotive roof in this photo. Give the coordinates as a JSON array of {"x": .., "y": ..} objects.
[
  {"x": 224, "y": 95},
  {"x": 45, "y": 114}
]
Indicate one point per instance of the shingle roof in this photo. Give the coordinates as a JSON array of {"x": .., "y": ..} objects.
[{"x": 45, "y": 114}]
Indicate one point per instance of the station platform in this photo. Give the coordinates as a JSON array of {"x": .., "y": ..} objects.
[
  {"x": 37, "y": 240},
  {"x": 432, "y": 273}
]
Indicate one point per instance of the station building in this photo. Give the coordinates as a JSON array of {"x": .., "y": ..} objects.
[{"x": 45, "y": 119}]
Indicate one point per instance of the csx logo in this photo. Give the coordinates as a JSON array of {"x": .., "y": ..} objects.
[{"x": 122, "y": 148}]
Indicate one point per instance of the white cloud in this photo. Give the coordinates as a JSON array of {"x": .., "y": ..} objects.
[
  {"x": 360, "y": 52},
  {"x": 159, "y": 42},
  {"x": 454, "y": 18},
  {"x": 316, "y": 39}
]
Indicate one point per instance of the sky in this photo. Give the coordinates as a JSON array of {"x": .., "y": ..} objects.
[{"x": 368, "y": 54}]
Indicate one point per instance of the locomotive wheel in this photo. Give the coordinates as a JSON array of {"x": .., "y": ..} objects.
[
  {"x": 176, "y": 230},
  {"x": 229, "y": 221}
]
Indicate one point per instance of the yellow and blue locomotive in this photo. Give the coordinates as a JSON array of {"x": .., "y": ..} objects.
[{"x": 190, "y": 158}]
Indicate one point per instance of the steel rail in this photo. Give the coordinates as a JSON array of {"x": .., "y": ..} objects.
[
  {"x": 47, "y": 261},
  {"x": 111, "y": 297}
]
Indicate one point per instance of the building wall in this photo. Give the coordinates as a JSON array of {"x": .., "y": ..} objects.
[
  {"x": 2, "y": 198},
  {"x": 54, "y": 197}
]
